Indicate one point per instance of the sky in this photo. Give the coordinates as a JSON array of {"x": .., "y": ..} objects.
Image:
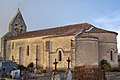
[{"x": 41, "y": 14}]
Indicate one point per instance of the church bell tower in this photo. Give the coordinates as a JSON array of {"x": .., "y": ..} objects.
[{"x": 17, "y": 25}]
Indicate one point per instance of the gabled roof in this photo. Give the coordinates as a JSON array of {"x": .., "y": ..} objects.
[
  {"x": 16, "y": 18},
  {"x": 18, "y": 13},
  {"x": 69, "y": 30}
]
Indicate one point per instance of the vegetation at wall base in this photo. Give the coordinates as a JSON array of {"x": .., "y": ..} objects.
[
  {"x": 30, "y": 65},
  {"x": 115, "y": 69},
  {"x": 105, "y": 65}
]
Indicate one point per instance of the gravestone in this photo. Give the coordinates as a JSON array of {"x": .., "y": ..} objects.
[
  {"x": 68, "y": 73},
  {"x": 55, "y": 75}
]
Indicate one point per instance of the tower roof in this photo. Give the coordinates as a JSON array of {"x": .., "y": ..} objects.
[
  {"x": 18, "y": 13},
  {"x": 16, "y": 22}
]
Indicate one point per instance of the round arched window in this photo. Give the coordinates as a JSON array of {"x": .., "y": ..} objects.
[
  {"x": 111, "y": 55},
  {"x": 111, "y": 52},
  {"x": 60, "y": 54}
]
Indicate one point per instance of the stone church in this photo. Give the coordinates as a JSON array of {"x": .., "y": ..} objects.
[{"x": 83, "y": 43}]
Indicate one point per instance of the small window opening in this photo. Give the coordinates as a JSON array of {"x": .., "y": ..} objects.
[
  {"x": 111, "y": 55},
  {"x": 12, "y": 45},
  {"x": 19, "y": 17},
  {"x": 27, "y": 50},
  {"x": 15, "y": 24},
  {"x": 21, "y": 30},
  {"x": 60, "y": 56}
]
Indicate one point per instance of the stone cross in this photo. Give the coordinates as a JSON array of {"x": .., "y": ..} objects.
[
  {"x": 68, "y": 62},
  {"x": 55, "y": 63}
]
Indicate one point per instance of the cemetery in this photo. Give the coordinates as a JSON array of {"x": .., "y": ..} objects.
[{"x": 85, "y": 72}]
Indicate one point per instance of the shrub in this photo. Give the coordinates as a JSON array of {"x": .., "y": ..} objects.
[
  {"x": 118, "y": 60},
  {"x": 21, "y": 67},
  {"x": 43, "y": 71},
  {"x": 30, "y": 65},
  {"x": 105, "y": 65},
  {"x": 115, "y": 69}
]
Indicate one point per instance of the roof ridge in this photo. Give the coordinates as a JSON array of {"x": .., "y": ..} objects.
[{"x": 60, "y": 27}]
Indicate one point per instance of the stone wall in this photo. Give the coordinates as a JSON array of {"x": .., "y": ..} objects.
[
  {"x": 107, "y": 42},
  {"x": 26, "y": 56},
  {"x": 86, "y": 51},
  {"x": 0, "y": 46},
  {"x": 62, "y": 44}
]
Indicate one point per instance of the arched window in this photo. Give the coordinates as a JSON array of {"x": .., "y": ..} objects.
[
  {"x": 60, "y": 53},
  {"x": 16, "y": 29},
  {"x": 72, "y": 44},
  {"x": 19, "y": 17},
  {"x": 15, "y": 24},
  {"x": 27, "y": 50},
  {"x": 111, "y": 55},
  {"x": 21, "y": 31},
  {"x": 60, "y": 56}
]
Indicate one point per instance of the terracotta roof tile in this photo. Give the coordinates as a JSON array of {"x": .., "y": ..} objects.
[
  {"x": 68, "y": 30},
  {"x": 58, "y": 31},
  {"x": 98, "y": 30},
  {"x": 86, "y": 35}
]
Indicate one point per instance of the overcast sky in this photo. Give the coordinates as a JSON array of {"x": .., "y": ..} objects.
[{"x": 39, "y": 14}]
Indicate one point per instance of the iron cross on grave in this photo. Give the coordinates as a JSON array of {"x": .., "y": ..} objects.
[
  {"x": 68, "y": 62},
  {"x": 55, "y": 63}
]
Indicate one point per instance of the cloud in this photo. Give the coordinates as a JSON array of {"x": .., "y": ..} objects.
[{"x": 110, "y": 21}]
